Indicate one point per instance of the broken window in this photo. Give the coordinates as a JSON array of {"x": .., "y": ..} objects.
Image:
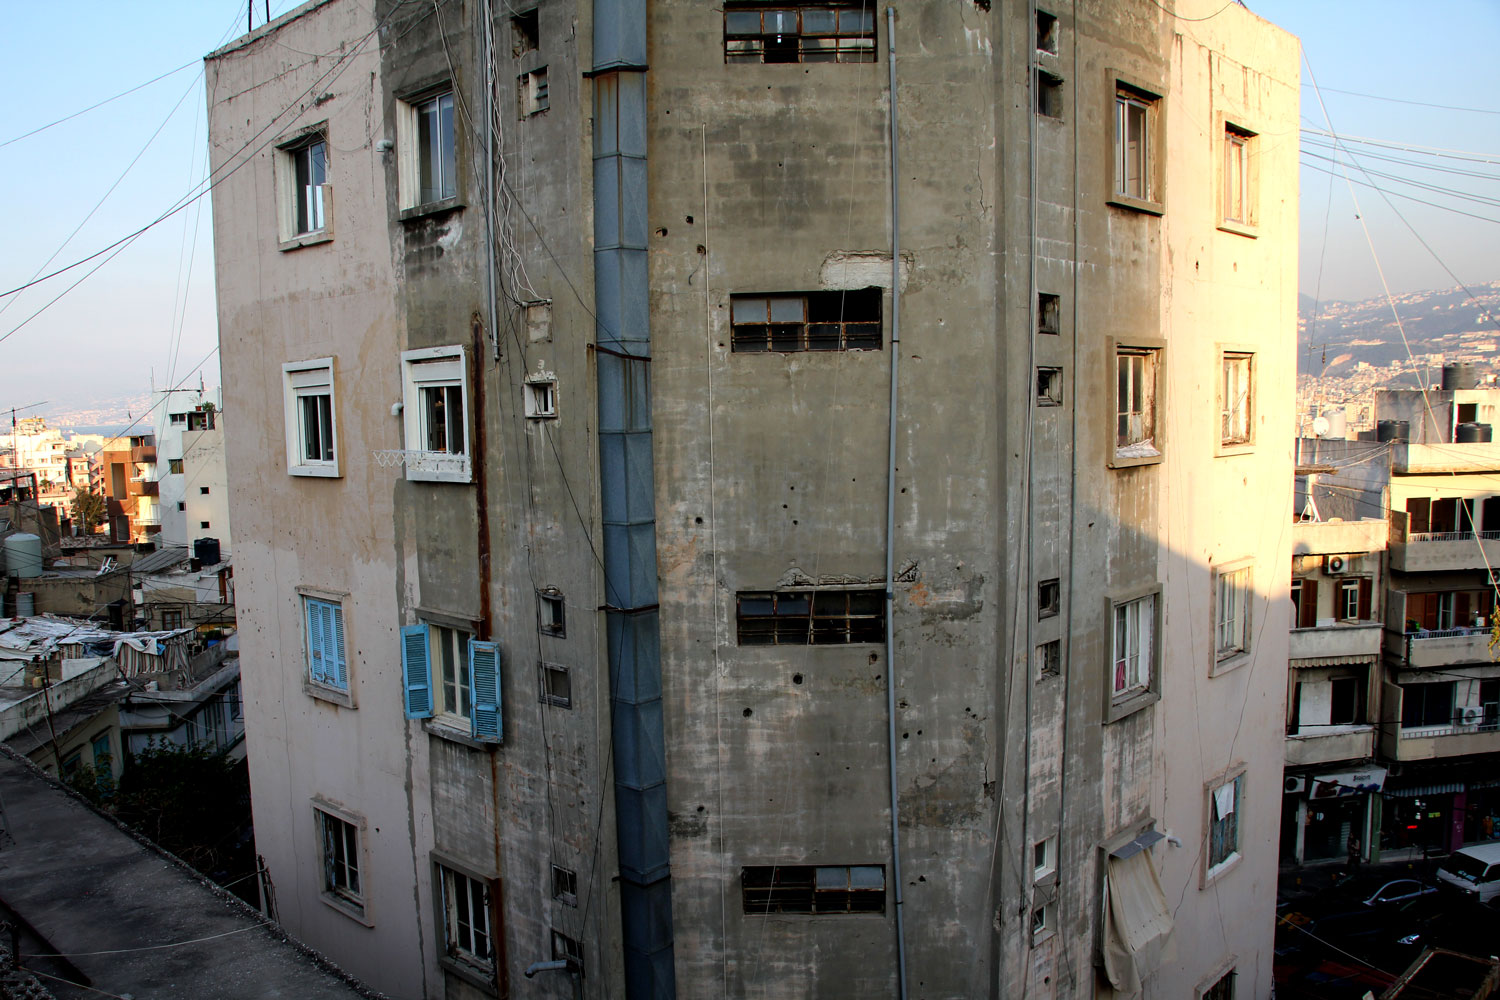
[
  {"x": 1049, "y": 658},
  {"x": 551, "y": 612},
  {"x": 1135, "y": 404},
  {"x": 1234, "y": 415},
  {"x": 1232, "y": 613},
  {"x": 1048, "y": 313},
  {"x": 567, "y": 949},
  {"x": 1046, "y": 32},
  {"x": 799, "y": 32},
  {"x": 806, "y": 321},
  {"x": 557, "y": 686},
  {"x": 1049, "y": 387},
  {"x": 802, "y": 618},
  {"x": 467, "y": 936},
  {"x": 820, "y": 889},
  {"x": 1048, "y": 598},
  {"x": 1224, "y": 822},
  {"x": 541, "y": 398},
  {"x": 1135, "y": 113},
  {"x": 1049, "y": 94},
  {"x": 340, "y": 854},
  {"x": 565, "y": 885},
  {"x": 524, "y": 32}
]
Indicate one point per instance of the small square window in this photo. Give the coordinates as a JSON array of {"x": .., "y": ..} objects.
[
  {"x": 551, "y": 612},
  {"x": 307, "y": 409},
  {"x": 1049, "y": 94},
  {"x": 1049, "y": 387},
  {"x": 1041, "y": 922},
  {"x": 1043, "y": 859},
  {"x": 182, "y": 505},
  {"x": 1235, "y": 398},
  {"x": 1048, "y": 598},
  {"x": 339, "y": 851},
  {"x": 533, "y": 90},
  {"x": 174, "y": 465},
  {"x": 202, "y": 524},
  {"x": 566, "y": 949},
  {"x": 1046, "y": 32},
  {"x": 1048, "y": 313},
  {"x": 524, "y": 32},
  {"x": 1049, "y": 658},
  {"x": 177, "y": 418},
  {"x": 541, "y": 398},
  {"x": 1136, "y": 405},
  {"x": 427, "y": 164},
  {"x": 565, "y": 885},
  {"x": 203, "y": 490},
  {"x": 557, "y": 686}
]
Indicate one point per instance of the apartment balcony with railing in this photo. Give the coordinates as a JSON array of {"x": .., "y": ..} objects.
[
  {"x": 1340, "y": 639},
  {"x": 1330, "y": 744},
  {"x": 1446, "y": 647},
  {"x": 1422, "y": 721},
  {"x": 1436, "y": 551},
  {"x": 143, "y": 453}
]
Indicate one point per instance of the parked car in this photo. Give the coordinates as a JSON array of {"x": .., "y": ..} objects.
[
  {"x": 1401, "y": 890},
  {"x": 1474, "y": 871}
]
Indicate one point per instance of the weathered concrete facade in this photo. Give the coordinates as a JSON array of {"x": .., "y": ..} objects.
[{"x": 770, "y": 477}]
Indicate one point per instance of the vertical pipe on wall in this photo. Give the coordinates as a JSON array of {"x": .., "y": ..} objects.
[
  {"x": 488, "y": 29},
  {"x": 890, "y": 516},
  {"x": 627, "y": 496}
]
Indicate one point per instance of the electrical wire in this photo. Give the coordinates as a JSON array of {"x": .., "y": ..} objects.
[
  {"x": 1420, "y": 104},
  {"x": 100, "y": 104}
]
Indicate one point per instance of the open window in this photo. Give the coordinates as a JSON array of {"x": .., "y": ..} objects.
[
  {"x": 435, "y": 403},
  {"x": 427, "y": 152},
  {"x": 1137, "y": 148},
  {"x": 1237, "y": 200},
  {"x": 1137, "y": 920},
  {"x": 303, "y": 194},
  {"x": 1138, "y": 381},
  {"x": 308, "y": 416},
  {"x": 798, "y": 32}
]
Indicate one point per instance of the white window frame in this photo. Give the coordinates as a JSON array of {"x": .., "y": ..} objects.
[
  {"x": 1233, "y": 592},
  {"x": 457, "y": 711},
  {"x": 1236, "y": 400},
  {"x": 1048, "y": 865},
  {"x": 1140, "y": 409},
  {"x": 301, "y": 380},
  {"x": 1225, "y": 792},
  {"x": 541, "y": 396},
  {"x": 334, "y": 825},
  {"x": 289, "y": 193},
  {"x": 1134, "y": 624},
  {"x": 410, "y": 153},
  {"x": 427, "y": 369}
]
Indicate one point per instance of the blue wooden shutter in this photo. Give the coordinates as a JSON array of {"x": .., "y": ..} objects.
[
  {"x": 315, "y": 632},
  {"x": 338, "y": 668},
  {"x": 416, "y": 672},
  {"x": 484, "y": 689}
]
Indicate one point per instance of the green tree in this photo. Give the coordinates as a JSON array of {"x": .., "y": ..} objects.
[
  {"x": 89, "y": 509},
  {"x": 191, "y": 799}
]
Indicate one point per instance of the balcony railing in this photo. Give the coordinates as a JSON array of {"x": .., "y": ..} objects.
[
  {"x": 1443, "y": 647},
  {"x": 1457, "y": 727},
  {"x": 143, "y": 453},
  {"x": 1435, "y": 551},
  {"x": 1449, "y": 536}
]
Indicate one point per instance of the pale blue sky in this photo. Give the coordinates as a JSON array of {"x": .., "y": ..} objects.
[{"x": 106, "y": 338}]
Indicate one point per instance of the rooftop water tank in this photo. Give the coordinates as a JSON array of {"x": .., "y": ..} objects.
[
  {"x": 23, "y": 555},
  {"x": 25, "y": 604},
  {"x": 206, "y": 550},
  {"x": 1472, "y": 433},
  {"x": 1460, "y": 375}
]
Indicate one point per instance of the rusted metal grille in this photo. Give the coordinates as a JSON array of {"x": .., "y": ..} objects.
[
  {"x": 824, "y": 889},
  {"x": 792, "y": 33},
  {"x": 810, "y": 618},
  {"x": 787, "y": 322}
]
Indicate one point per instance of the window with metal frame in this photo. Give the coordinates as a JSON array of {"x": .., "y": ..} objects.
[
  {"x": 791, "y": 322},
  {"x": 813, "y": 889},
  {"x": 795, "y": 32},
  {"x": 467, "y": 934},
  {"x": 341, "y": 859},
  {"x": 1134, "y": 645},
  {"x": 1134, "y": 152},
  {"x": 803, "y": 618}
]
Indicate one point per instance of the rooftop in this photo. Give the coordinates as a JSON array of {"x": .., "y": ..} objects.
[{"x": 133, "y": 920}]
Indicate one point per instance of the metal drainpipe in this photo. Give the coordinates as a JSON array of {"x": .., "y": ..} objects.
[
  {"x": 489, "y": 169},
  {"x": 890, "y": 517}
]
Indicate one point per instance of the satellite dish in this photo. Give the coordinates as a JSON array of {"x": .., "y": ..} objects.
[{"x": 1320, "y": 426}]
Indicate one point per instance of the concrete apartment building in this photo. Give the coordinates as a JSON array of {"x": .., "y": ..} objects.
[
  {"x": 191, "y": 484},
  {"x": 583, "y": 381}
]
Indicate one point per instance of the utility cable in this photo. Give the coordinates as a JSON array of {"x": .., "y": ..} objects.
[{"x": 100, "y": 104}]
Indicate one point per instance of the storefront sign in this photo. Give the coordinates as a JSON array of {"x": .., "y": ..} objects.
[{"x": 1345, "y": 783}]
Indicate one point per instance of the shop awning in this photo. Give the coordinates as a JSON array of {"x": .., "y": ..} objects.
[
  {"x": 1439, "y": 788},
  {"x": 1137, "y": 923},
  {"x": 1340, "y": 784}
]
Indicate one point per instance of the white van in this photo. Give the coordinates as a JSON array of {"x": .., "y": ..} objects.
[{"x": 1475, "y": 871}]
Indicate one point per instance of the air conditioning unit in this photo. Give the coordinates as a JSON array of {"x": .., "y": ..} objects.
[
  {"x": 1471, "y": 715},
  {"x": 1294, "y": 784},
  {"x": 1335, "y": 565},
  {"x": 1494, "y": 577}
]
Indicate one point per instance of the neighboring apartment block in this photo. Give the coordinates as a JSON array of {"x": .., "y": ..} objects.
[
  {"x": 578, "y": 355},
  {"x": 191, "y": 483}
]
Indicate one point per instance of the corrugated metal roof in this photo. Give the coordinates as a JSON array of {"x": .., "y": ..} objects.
[{"x": 163, "y": 558}]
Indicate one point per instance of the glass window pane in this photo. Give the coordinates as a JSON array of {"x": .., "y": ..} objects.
[
  {"x": 819, "y": 21},
  {"x": 748, "y": 310},
  {"x": 788, "y": 309},
  {"x": 449, "y": 160},
  {"x": 833, "y": 878},
  {"x": 742, "y": 22},
  {"x": 867, "y": 877}
]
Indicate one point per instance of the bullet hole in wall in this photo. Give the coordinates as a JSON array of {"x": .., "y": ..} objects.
[
  {"x": 794, "y": 520},
  {"x": 697, "y": 520},
  {"x": 796, "y": 678},
  {"x": 783, "y": 506},
  {"x": 702, "y": 249},
  {"x": 700, "y": 808},
  {"x": 748, "y": 713},
  {"x": 661, "y": 231},
  {"x": 690, "y": 220},
  {"x": 906, "y": 736},
  {"x": 874, "y": 657}
]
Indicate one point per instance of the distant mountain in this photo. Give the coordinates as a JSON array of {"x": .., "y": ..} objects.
[
  {"x": 1448, "y": 323},
  {"x": 99, "y": 416}
]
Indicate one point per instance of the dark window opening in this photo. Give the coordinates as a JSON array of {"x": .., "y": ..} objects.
[
  {"x": 524, "y": 32},
  {"x": 551, "y": 613},
  {"x": 1049, "y": 95},
  {"x": 202, "y": 524},
  {"x": 1426, "y": 704},
  {"x": 810, "y": 618},
  {"x": 1049, "y": 658},
  {"x": 812, "y": 889},
  {"x": 565, "y": 885},
  {"x": 1049, "y": 387},
  {"x": 806, "y": 321},
  {"x": 564, "y": 947},
  {"x": 799, "y": 32},
  {"x": 1468, "y": 412},
  {"x": 1048, "y": 313},
  {"x": 557, "y": 686},
  {"x": 1048, "y": 598},
  {"x": 1046, "y": 32},
  {"x": 1347, "y": 702}
]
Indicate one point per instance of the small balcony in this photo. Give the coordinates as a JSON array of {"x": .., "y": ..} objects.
[
  {"x": 1431, "y": 742},
  {"x": 1439, "y": 647},
  {"x": 143, "y": 453},
  {"x": 1408, "y": 459},
  {"x": 1436, "y": 551},
  {"x": 1331, "y": 744},
  {"x": 146, "y": 487},
  {"x": 1344, "y": 639}
]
